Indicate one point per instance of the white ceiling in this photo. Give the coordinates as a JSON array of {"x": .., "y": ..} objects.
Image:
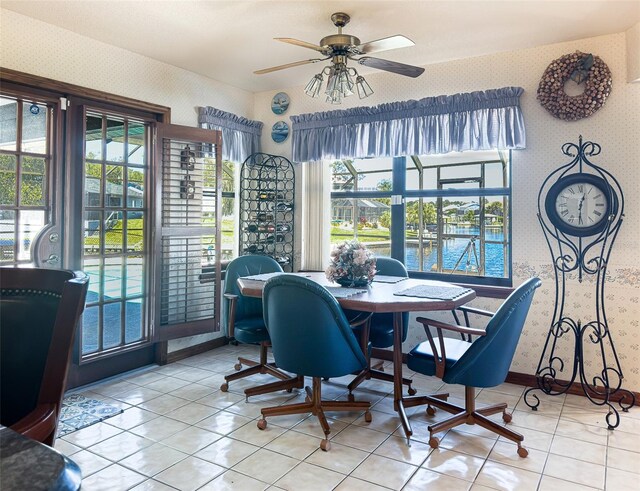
[{"x": 228, "y": 40}]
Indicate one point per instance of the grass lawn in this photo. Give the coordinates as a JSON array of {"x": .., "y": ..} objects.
[
  {"x": 339, "y": 234},
  {"x": 135, "y": 236},
  {"x": 114, "y": 236}
]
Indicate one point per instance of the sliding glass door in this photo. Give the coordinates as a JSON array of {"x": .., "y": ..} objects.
[
  {"x": 115, "y": 245},
  {"x": 96, "y": 182}
]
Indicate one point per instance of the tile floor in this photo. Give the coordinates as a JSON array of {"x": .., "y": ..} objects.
[{"x": 178, "y": 431}]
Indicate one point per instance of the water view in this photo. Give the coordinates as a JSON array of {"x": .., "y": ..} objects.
[{"x": 453, "y": 250}]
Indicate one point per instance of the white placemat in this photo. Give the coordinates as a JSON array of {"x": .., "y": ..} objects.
[
  {"x": 435, "y": 292},
  {"x": 263, "y": 276},
  {"x": 380, "y": 278},
  {"x": 342, "y": 292}
]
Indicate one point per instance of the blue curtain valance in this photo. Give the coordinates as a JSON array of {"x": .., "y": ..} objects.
[
  {"x": 480, "y": 120},
  {"x": 240, "y": 136}
]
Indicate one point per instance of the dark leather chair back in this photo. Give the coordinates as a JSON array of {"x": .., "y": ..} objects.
[
  {"x": 309, "y": 332},
  {"x": 246, "y": 307},
  {"x": 39, "y": 310},
  {"x": 487, "y": 361}
]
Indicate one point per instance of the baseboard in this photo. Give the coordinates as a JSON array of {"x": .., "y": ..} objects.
[
  {"x": 512, "y": 377},
  {"x": 575, "y": 388},
  {"x": 196, "y": 349}
]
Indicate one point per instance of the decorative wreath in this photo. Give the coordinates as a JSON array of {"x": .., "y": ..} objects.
[{"x": 579, "y": 67}]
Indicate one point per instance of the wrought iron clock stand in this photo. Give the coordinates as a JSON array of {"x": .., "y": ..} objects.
[{"x": 588, "y": 257}]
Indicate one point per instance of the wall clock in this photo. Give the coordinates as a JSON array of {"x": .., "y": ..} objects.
[
  {"x": 580, "y": 210},
  {"x": 579, "y": 204}
]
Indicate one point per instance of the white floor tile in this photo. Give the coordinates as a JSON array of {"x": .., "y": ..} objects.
[{"x": 179, "y": 431}]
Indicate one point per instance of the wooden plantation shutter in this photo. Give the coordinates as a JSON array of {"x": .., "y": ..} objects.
[{"x": 188, "y": 240}]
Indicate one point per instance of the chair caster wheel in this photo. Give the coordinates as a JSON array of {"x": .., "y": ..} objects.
[
  {"x": 367, "y": 416},
  {"x": 262, "y": 424},
  {"x": 523, "y": 452},
  {"x": 434, "y": 442},
  {"x": 224, "y": 387},
  {"x": 506, "y": 417},
  {"x": 325, "y": 445},
  {"x": 351, "y": 398},
  {"x": 237, "y": 366},
  {"x": 431, "y": 411},
  {"x": 325, "y": 379},
  {"x": 412, "y": 391},
  {"x": 290, "y": 390}
]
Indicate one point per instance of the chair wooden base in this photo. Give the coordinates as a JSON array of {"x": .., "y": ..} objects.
[
  {"x": 375, "y": 371},
  {"x": 467, "y": 415},
  {"x": 315, "y": 405},
  {"x": 370, "y": 373},
  {"x": 262, "y": 367}
]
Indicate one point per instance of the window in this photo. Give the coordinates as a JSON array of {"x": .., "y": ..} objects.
[
  {"x": 229, "y": 228},
  {"x": 25, "y": 167},
  {"x": 452, "y": 221},
  {"x": 361, "y": 203}
]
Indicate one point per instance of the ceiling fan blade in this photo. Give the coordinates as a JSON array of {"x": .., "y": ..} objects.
[
  {"x": 391, "y": 42},
  {"x": 392, "y": 66},
  {"x": 304, "y": 44},
  {"x": 288, "y": 65}
]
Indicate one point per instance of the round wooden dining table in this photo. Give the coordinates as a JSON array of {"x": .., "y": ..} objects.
[{"x": 381, "y": 297}]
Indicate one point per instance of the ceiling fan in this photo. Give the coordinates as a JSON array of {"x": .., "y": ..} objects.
[{"x": 342, "y": 47}]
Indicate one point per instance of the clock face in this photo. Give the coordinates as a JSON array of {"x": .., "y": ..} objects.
[{"x": 579, "y": 204}]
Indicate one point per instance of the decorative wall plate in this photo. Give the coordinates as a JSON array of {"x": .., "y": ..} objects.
[
  {"x": 581, "y": 68},
  {"x": 280, "y": 103},
  {"x": 279, "y": 132}
]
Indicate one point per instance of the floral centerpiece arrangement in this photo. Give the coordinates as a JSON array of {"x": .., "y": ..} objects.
[{"x": 352, "y": 264}]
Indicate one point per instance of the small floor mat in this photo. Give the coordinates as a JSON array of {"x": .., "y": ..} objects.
[{"x": 79, "y": 412}]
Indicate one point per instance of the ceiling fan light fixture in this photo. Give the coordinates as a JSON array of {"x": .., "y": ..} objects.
[
  {"x": 341, "y": 47},
  {"x": 334, "y": 97},
  {"x": 314, "y": 86},
  {"x": 363, "y": 87},
  {"x": 344, "y": 82}
]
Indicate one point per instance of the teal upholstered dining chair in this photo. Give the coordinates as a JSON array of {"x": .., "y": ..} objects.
[
  {"x": 482, "y": 363},
  {"x": 245, "y": 324},
  {"x": 39, "y": 311},
  {"x": 381, "y": 328},
  {"x": 310, "y": 336}
]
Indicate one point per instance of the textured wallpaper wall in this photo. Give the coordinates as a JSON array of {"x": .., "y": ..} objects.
[
  {"x": 35, "y": 47},
  {"x": 616, "y": 127}
]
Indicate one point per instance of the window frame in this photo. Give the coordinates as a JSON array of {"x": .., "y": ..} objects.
[
  {"x": 211, "y": 192},
  {"x": 398, "y": 217}
]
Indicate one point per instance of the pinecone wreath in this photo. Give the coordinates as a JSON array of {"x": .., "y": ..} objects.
[{"x": 581, "y": 68}]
